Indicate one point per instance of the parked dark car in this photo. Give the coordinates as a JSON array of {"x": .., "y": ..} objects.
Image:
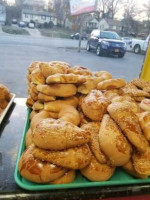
[
  {"x": 77, "y": 35},
  {"x": 106, "y": 42}
]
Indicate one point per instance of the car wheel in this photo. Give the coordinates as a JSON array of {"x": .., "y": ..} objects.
[
  {"x": 88, "y": 48},
  {"x": 98, "y": 50},
  {"x": 137, "y": 49}
]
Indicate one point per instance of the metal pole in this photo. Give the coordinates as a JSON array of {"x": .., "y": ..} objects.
[{"x": 80, "y": 33}]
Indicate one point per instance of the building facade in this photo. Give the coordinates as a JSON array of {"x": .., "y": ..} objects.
[
  {"x": 39, "y": 17},
  {"x": 110, "y": 25}
]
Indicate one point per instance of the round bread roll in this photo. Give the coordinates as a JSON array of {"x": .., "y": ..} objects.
[
  {"x": 113, "y": 143},
  {"x": 129, "y": 124},
  {"x": 83, "y": 119},
  {"x": 57, "y": 105},
  {"x": 37, "y": 106},
  {"x": 144, "y": 119},
  {"x": 37, "y": 118},
  {"x": 3, "y": 103},
  {"x": 29, "y": 102},
  {"x": 59, "y": 90},
  {"x": 80, "y": 70},
  {"x": 37, "y": 77},
  {"x": 94, "y": 105},
  {"x": 33, "y": 66},
  {"x": 145, "y": 104},
  {"x": 96, "y": 171},
  {"x": 70, "y": 114},
  {"x": 4, "y": 93},
  {"x": 110, "y": 94},
  {"x": 32, "y": 114},
  {"x": 73, "y": 158},
  {"x": 141, "y": 162},
  {"x": 58, "y": 134},
  {"x": 54, "y": 67},
  {"x": 128, "y": 167},
  {"x": 33, "y": 95},
  {"x": 111, "y": 84},
  {"x": 68, "y": 177},
  {"x": 28, "y": 139},
  {"x": 93, "y": 129},
  {"x": 33, "y": 87},
  {"x": 45, "y": 98},
  {"x": 65, "y": 78},
  {"x": 104, "y": 74},
  {"x": 36, "y": 170}
]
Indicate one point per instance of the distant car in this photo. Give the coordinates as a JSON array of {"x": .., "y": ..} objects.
[
  {"x": 77, "y": 35},
  {"x": 31, "y": 25},
  {"x": 106, "y": 42},
  {"x": 139, "y": 45},
  {"x": 127, "y": 40},
  {"x": 22, "y": 24},
  {"x": 14, "y": 21}
]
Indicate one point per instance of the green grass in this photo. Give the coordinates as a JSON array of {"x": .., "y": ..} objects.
[
  {"x": 56, "y": 33},
  {"x": 14, "y": 30}
]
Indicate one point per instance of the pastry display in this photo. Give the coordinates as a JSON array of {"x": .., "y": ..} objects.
[
  {"x": 5, "y": 97},
  {"x": 84, "y": 121}
]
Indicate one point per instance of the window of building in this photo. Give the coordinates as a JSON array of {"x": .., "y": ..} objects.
[
  {"x": 31, "y": 16},
  {"x": 26, "y": 15},
  {"x": 43, "y": 17}
]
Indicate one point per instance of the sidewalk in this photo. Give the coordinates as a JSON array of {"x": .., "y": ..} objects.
[
  {"x": 1, "y": 29},
  {"x": 34, "y": 32}
]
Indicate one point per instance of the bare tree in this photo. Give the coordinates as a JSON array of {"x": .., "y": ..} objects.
[
  {"x": 108, "y": 8},
  {"x": 130, "y": 11},
  {"x": 146, "y": 9}
]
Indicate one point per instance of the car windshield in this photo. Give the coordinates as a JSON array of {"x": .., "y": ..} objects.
[{"x": 109, "y": 35}]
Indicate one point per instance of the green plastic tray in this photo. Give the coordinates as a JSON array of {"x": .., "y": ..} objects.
[{"x": 120, "y": 177}]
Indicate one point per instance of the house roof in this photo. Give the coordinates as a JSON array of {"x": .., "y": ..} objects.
[
  {"x": 113, "y": 22},
  {"x": 41, "y": 13}
]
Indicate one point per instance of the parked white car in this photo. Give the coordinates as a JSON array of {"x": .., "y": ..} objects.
[
  {"x": 139, "y": 46},
  {"x": 31, "y": 25}
]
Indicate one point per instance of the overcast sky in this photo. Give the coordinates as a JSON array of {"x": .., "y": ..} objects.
[{"x": 140, "y": 3}]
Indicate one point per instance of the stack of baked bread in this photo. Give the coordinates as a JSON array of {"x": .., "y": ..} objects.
[
  {"x": 84, "y": 121},
  {"x": 5, "y": 97}
]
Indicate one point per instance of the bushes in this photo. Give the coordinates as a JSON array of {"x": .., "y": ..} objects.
[{"x": 14, "y": 30}]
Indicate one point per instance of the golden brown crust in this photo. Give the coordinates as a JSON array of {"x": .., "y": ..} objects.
[
  {"x": 80, "y": 70},
  {"x": 96, "y": 171},
  {"x": 129, "y": 124},
  {"x": 103, "y": 74},
  {"x": 144, "y": 119},
  {"x": 33, "y": 66},
  {"x": 59, "y": 90},
  {"x": 29, "y": 102},
  {"x": 145, "y": 104},
  {"x": 134, "y": 92},
  {"x": 32, "y": 114},
  {"x": 38, "y": 106},
  {"x": 57, "y": 105},
  {"x": 37, "y": 118},
  {"x": 93, "y": 129},
  {"x": 73, "y": 158},
  {"x": 128, "y": 167},
  {"x": 33, "y": 88},
  {"x": 37, "y": 77},
  {"x": 28, "y": 139},
  {"x": 141, "y": 162},
  {"x": 58, "y": 134},
  {"x": 111, "y": 84},
  {"x": 45, "y": 98},
  {"x": 113, "y": 143},
  {"x": 140, "y": 83},
  {"x": 94, "y": 105},
  {"x": 68, "y": 177},
  {"x": 65, "y": 78},
  {"x": 4, "y": 93},
  {"x": 69, "y": 114},
  {"x": 53, "y": 67},
  {"x": 36, "y": 170}
]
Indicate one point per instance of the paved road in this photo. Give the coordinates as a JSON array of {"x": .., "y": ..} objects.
[{"x": 17, "y": 52}]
